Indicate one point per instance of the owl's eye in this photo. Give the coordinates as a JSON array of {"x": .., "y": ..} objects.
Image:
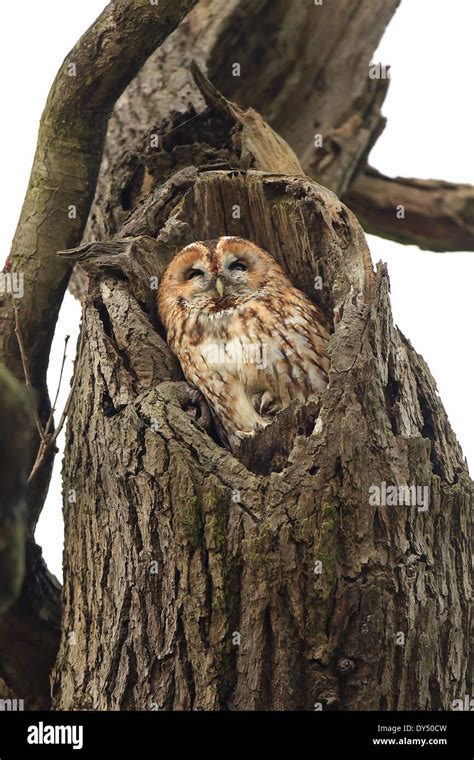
[
  {"x": 238, "y": 266},
  {"x": 194, "y": 273}
]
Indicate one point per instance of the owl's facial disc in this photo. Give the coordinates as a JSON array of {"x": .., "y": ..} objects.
[
  {"x": 216, "y": 286},
  {"x": 216, "y": 277}
]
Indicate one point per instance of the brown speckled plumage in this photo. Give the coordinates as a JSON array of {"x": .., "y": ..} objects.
[{"x": 245, "y": 337}]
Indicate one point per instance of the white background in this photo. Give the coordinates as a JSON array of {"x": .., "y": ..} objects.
[{"x": 429, "y": 135}]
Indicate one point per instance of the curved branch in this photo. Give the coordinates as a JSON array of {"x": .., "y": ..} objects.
[
  {"x": 67, "y": 159},
  {"x": 64, "y": 176},
  {"x": 436, "y": 215}
]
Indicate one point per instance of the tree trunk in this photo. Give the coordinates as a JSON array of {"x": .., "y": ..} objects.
[
  {"x": 288, "y": 576},
  {"x": 195, "y": 579}
]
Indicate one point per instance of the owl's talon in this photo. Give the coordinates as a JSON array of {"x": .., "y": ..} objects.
[
  {"x": 269, "y": 406},
  {"x": 242, "y": 434},
  {"x": 193, "y": 403},
  {"x": 266, "y": 405}
]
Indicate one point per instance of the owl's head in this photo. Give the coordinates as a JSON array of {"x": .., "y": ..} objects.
[{"x": 216, "y": 275}]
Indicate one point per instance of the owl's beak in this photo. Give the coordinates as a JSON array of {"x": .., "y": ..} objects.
[{"x": 220, "y": 287}]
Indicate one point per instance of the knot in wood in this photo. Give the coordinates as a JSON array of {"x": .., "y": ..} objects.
[{"x": 345, "y": 666}]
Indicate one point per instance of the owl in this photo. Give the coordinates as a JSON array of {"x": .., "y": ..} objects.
[{"x": 244, "y": 336}]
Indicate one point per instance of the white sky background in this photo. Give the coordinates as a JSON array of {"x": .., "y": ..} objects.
[{"x": 429, "y": 134}]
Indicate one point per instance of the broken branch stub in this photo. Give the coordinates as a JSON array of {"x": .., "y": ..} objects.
[{"x": 432, "y": 214}]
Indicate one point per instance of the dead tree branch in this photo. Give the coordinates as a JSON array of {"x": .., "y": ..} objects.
[{"x": 436, "y": 215}]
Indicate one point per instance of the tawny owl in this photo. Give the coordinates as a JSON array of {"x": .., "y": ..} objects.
[{"x": 244, "y": 336}]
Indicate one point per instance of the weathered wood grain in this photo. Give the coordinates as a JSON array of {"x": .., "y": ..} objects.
[{"x": 197, "y": 582}]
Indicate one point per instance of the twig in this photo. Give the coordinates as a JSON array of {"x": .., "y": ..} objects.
[
  {"x": 40, "y": 459},
  {"x": 67, "y": 405},
  {"x": 26, "y": 372},
  {"x": 53, "y": 408},
  {"x": 47, "y": 444}
]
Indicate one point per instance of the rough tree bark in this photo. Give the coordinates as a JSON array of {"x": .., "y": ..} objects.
[
  {"x": 192, "y": 578},
  {"x": 267, "y": 580}
]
